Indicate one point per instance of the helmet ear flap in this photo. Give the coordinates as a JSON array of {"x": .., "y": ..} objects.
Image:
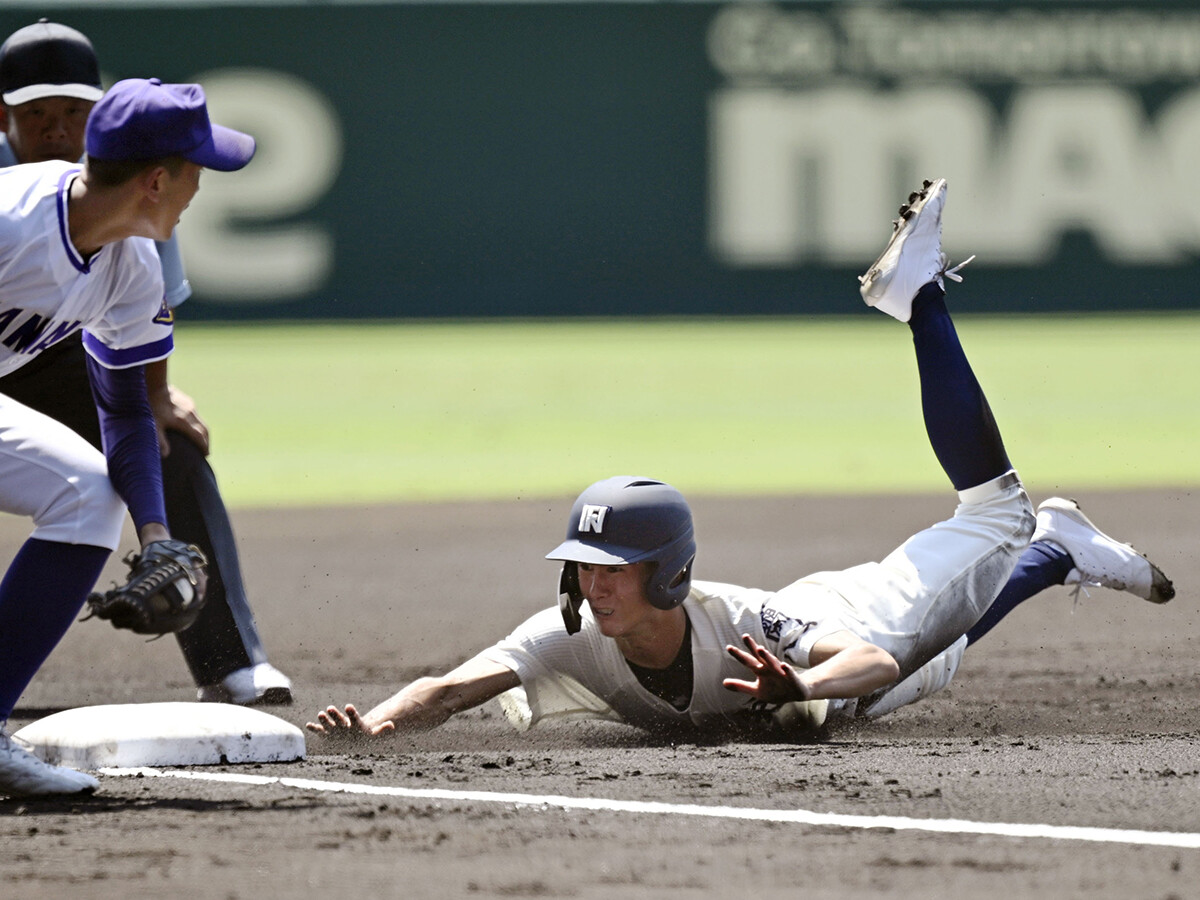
[
  {"x": 671, "y": 580},
  {"x": 570, "y": 597}
]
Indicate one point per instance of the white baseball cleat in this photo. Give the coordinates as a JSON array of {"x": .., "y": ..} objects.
[
  {"x": 1100, "y": 561},
  {"x": 24, "y": 775},
  {"x": 259, "y": 685},
  {"x": 913, "y": 256}
]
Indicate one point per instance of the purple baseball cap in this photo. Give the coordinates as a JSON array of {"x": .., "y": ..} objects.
[{"x": 144, "y": 119}]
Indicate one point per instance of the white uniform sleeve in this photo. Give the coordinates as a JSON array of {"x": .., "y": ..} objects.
[
  {"x": 137, "y": 328},
  {"x": 547, "y": 660},
  {"x": 798, "y": 616}
]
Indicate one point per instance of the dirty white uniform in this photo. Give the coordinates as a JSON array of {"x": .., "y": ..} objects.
[
  {"x": 47, "y": 472},
  {"x": 917, "y": 604}
]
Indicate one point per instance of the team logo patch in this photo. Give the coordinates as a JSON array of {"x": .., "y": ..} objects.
[
  {"x": 775, "y": 623},
  {"x": 165, "y": 315},
  {"x": 592, "y": 518}
]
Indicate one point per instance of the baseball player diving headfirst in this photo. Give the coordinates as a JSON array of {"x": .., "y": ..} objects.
[
  {"x": 77, "y": 252},
  {"x": 636, "y": 639}
]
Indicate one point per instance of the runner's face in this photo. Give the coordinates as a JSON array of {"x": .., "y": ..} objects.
[
  {"x": 617, "y": 596},
  {"x": 49, "y": 128}
]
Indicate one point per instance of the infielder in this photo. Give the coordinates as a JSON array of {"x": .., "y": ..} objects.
[
  {"x": 636, "y": 639},
  {"x": 77, "y": 252},
  {"x": 49, "y": 79}
]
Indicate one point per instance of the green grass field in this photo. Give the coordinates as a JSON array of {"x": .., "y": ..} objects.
[{"x": 370, "y": 413}]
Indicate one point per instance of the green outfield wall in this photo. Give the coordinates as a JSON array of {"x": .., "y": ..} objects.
[{"x": 544, "y": 159}]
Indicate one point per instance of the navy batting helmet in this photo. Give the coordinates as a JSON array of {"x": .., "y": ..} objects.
[{"x": 625, "y": 520}]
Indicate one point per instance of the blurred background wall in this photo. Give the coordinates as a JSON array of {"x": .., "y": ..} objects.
[{"x": 540, "y": 159}]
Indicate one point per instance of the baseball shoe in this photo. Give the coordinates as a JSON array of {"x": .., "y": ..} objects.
[
  {"x": 1100, "y": 561},
  {"x": 913, "y": 256},
  {"x": 24, "y": 775},
  {"x": 259, "y": 685}
]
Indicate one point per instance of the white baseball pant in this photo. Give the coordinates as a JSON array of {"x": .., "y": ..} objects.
[{"x": 51, "y": 475}]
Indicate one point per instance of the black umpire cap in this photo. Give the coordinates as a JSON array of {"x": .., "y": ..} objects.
[{"x": 48, "y": 60}]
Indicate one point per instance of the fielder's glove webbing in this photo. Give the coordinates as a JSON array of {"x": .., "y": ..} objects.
[{"x": 164, "y": 593}]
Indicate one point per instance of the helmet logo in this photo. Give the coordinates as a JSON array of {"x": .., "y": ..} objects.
[{"x": 592, "y": 518}]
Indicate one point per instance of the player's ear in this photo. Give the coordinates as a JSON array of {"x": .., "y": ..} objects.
[{"x": 153, "y": 182}]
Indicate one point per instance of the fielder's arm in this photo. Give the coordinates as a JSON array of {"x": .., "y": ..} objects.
[
  {"x": 843, "y": 665},
  {"x": 424, "y": 704}
]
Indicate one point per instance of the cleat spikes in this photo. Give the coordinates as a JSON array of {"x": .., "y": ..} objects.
[{"x": 912, "y": 257}]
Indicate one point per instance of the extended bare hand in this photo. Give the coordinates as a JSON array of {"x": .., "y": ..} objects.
[
  {"x": 774, "y": 680},
  {"x": 335, "y": 723}
]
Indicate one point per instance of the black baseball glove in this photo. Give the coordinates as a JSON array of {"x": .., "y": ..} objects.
[{"x": 164, "y": 593}]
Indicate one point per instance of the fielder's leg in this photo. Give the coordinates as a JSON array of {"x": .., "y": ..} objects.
[
  {"x": 223, "y": 649},
  {"x": 49, "y": 474},
  {"x": 41, "y": 595}
]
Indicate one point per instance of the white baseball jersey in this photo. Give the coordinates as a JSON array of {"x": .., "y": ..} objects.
[
  {"x": 50, "y": 291},
  {"x": 177, "y": 286},
  {"x": 585, "y": 673},
  {"x": 917, "y": 603}
]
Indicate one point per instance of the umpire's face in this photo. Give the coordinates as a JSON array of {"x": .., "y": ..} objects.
[{"x": 49, "y": 128}]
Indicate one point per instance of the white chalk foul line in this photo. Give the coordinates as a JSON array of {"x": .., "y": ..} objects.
[{"x": 792, "y": 816}]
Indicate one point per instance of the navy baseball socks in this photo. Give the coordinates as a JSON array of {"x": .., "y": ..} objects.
[
  {"x": 962, "y": 431},
  {"x": 1041, "y": 566},
  {"x": 40, "y": 596}
]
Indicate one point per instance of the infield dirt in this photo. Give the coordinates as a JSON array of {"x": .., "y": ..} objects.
[{"x": 1071, "y": 713}]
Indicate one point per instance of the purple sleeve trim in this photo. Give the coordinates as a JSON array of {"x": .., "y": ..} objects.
[
  {"x": 130, "y": 440},
  {"x": 130, "y": 356}
]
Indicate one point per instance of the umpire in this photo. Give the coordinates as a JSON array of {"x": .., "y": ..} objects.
[{"x": 49, "y": 80}]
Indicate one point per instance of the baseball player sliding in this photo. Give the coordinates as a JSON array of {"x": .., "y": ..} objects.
[
  {"x": 77, "y": 252},
  {"x": 636, "y": 639}
]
